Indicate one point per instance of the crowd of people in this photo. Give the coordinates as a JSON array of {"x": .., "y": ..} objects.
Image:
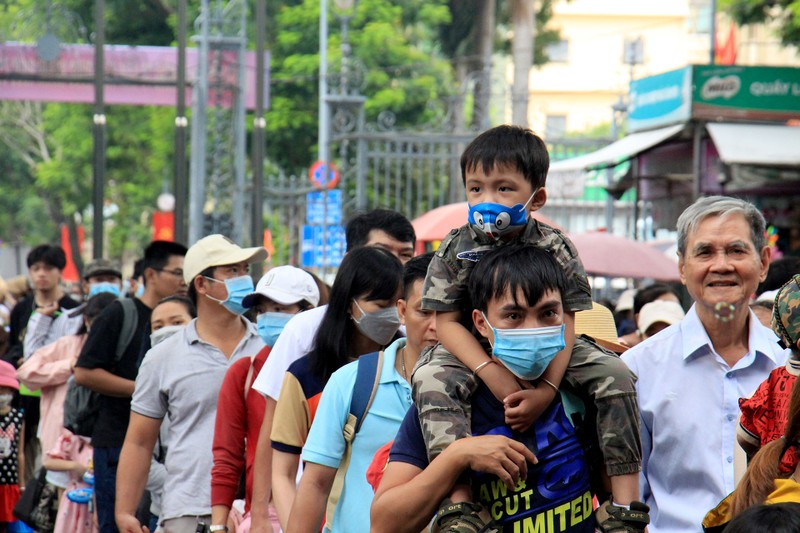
[{"x": 476, "y": 388}]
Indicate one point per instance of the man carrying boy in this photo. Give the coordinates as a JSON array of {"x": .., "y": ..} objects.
[
  {"x": 536, "y": 479},
  {"x": 504, "y": 171}
]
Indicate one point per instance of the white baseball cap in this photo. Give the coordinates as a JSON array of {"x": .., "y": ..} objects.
[
  {"x": 660, "y": 311},
  {"x": 285, "y": 285},
  {"x": 217, "y": 250},
  {"x": 625, "y": 301}
]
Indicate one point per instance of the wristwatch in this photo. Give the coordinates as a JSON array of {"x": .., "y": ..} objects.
[{"x": 218, "y": 527}]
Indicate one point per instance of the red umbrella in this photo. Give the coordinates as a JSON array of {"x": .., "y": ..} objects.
[
  {"x": 437, "y": 223},
  {"x": 603, "y": 254}
]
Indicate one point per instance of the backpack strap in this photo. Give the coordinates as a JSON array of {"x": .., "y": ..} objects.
[
  {"x": 130, "y": 320},
  {"x": 368, "y": 377}
]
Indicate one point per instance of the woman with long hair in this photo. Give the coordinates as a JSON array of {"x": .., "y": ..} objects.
[{"x": 361, "y": 318}]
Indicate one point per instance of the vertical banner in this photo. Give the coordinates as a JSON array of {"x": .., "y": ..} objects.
[
  {"x": 70, "y": 273},
  {"x": 164, "y": 226}
]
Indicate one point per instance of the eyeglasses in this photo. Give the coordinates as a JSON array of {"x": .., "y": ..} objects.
[{"x": 176, "y": 273}]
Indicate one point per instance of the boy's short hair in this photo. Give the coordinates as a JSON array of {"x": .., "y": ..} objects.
[
  {"x": 416, "y": 269},
  {"x": 50, "y": 255},
  {"x": 157, "y": 253},
  {"x": 393, "y": 223},
  {"x": 508, "y": 145},
  {"x": 786, "y": 314},
  {"x": 515, "y": 267}
]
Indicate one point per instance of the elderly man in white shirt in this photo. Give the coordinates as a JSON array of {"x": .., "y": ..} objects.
[{"x": 692, "y": 374}]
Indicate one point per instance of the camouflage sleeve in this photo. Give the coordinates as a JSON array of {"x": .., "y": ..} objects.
[
  {"x": 445, "y": 284},
  {"x": 607, "y": 381},
  {"x": 442, "y": 388},
  {"x": 579, "y": 293}
]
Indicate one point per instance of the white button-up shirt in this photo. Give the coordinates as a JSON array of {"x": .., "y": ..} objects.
[{"x": 689, "y": 406}]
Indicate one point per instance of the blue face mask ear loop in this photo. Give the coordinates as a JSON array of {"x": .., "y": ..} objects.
[
  {"x": 525, "y": 205},
  {"x": 494, "y": 331}
]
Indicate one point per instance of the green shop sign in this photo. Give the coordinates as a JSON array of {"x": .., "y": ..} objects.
[
  {"x": 714, "y": 92},
  {"x": 753, "y": 93}
]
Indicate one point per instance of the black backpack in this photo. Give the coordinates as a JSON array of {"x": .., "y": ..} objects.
[{"x": 81, "y": 404}]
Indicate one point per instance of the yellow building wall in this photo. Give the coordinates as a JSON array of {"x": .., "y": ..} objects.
[{"x": 594, "y": 77}]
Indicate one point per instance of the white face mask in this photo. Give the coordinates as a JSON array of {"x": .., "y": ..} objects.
[
  {"x": 160, "y": 335},
  {"x": 5, "y": 400}
]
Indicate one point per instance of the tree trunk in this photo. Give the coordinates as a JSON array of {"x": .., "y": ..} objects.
[
  {"x": 522, "y": 53},
  {"x": 483, "y": 85}
]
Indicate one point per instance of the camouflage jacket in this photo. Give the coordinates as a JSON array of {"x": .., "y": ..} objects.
[{"x": 446, "y": 284}]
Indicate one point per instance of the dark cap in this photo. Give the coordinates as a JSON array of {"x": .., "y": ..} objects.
[{"x": 97, "y": 267}]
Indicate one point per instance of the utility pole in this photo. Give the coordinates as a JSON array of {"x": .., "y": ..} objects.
[
  {"x": 98, "y": 132},
  {"x": 712, "y": 30},
  {"x": 181, "y": 122},
  {"x": 259, "y": 125}
]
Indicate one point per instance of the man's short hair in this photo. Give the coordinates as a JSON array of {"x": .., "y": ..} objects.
[
  {"x": 138, "y": 268},
  {"x": 393, "y": 223},
  {"x": 48, "y": 254},
  {"x": 512, "y": 268},
  {"x": 720, "y": 206},
  {"x": 508, "y": 145},
  {"x": 157, "y": 254},
  {"x": 415, "y": 270}
]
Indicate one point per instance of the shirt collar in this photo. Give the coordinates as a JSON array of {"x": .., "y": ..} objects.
[
  {"x": 192, "y": 336},
  {"x": 388, "y": 372},
  {"x": 697, "y": 341}
]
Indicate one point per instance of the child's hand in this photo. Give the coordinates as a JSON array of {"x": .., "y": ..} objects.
[
  {"x": 499, "y": 380},
  {"x": 522, "y": 408}
]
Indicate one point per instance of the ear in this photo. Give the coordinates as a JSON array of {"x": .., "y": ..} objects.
[
  {"x": 402, "y": 307},
  {"x": 480, "y": 323},
  {"x": 764, "y": 256},
  {"x": 681, "y": 267},
  {"x": 539, "y": 199},
  {"x": 148, "y": 275},
  {"x": 200, "y": 284}
]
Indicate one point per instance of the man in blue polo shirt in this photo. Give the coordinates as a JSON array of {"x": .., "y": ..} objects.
[{"x": 534, "y": 480}]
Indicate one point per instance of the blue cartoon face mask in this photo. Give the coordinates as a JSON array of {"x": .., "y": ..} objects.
[
  {"x": 270, "y": 326},
  {"x": 496, "y": 220},
  {"x": 526, "y": 352},
  {"x": 238, "y": 288}
]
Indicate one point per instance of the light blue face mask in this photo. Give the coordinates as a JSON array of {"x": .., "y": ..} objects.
[
  {"x": 140, "y": 290},
  {"x": 238, "y": 288},
  {"x": 103, "y": 286},
  {"x": 526, "y": 352},
  {"x": 270, "y": 326}
]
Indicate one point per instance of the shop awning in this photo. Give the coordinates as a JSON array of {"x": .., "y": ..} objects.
[
  {"x": 567, "y": 178},
  {"x": 617, "y": 152},
  {"x": 757, "y": 144}
]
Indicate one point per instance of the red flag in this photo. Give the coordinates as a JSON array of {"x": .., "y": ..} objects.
[
  {"x": 725, "y": 54},
  {"x": 164, "y": 226}
]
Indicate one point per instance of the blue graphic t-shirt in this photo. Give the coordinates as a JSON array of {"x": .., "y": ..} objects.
[{"x": 555, "y": 498}]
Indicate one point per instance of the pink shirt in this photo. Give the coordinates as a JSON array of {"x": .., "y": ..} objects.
[{"x": 48, "y": 369}]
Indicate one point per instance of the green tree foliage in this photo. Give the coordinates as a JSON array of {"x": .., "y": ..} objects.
[
  {"x": 403, "y": 69},
  {"x": 405, "y": 47},
  {"x": 785, "y": 13}
]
